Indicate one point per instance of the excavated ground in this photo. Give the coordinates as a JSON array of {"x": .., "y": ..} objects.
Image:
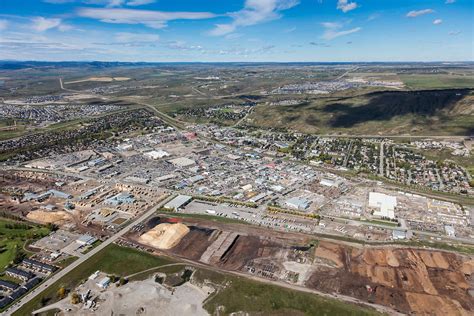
[{"x": 409, "y": 280}]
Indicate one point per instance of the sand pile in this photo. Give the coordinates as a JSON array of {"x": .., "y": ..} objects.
[
  {"x": 48, "y": 217},
  {"x": 164, "y": 236}
]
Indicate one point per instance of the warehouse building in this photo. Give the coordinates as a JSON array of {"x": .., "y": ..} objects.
[
  {"x": 178, "y": 202},
  {"x": 383, "y": 204},
  {"x": 298, "y": 203}
]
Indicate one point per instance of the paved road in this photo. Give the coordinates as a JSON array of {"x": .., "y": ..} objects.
[
  {"x": 381, "y": 160},
  {"x": 81, "y": 260}
]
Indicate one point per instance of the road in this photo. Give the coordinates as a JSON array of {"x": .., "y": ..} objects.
[
  {"x": 381, "y": 160},
  {"x": 54, "y": 278}
]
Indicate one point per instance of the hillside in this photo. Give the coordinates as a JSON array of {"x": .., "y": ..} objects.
[{"x": 426, "y": 112}]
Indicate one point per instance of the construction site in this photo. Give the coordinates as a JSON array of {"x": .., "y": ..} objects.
[{"x": 407, "y": 280}]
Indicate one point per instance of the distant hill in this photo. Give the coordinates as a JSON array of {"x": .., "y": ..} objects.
[{"x": 426, "y": 112}]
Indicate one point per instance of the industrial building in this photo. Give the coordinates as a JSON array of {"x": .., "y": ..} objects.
[
  {"x": 156, "y": 154},
  {"x": 86, "y": 240},
  {"x": 178, "y": 202},
  {"x": 121, "y": 198},
  {"x": 298, "y": 203},
  {"x": 182, "y": 162},
  {"x": 383, "y": 204}
]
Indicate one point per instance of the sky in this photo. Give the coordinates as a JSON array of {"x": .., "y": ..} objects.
[{"x": 237, "y": 30}]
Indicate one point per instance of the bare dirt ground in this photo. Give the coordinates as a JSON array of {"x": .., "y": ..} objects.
[{"x": 408, "y": 280}]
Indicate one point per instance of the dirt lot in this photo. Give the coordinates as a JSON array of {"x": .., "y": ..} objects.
[
  {"x": 409, "y": 280},
  {"x": 404, "y": 279}
]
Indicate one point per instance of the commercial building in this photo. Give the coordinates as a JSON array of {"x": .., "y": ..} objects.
[
  {"x": 121, "y": 198},
  {"x": 298, "y": 203},
  {"x": 383, "y": 204},
  {"x": 104, "y": 283},
  {"x": 156, "y": 154},
  {"x": 178, "y": 202},
  {"x": 86, "y": 240},
  {"x": 182, "y": 162}
]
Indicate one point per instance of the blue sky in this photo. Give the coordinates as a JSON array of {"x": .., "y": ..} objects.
[{"x": 237, "y": 30}]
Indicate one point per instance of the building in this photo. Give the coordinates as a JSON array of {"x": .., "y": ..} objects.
[
  {"x": 121, "y": 198},
  {"x": 104, "y": 283},
  {"x": 258, "y": 197},
  {"x": 383, "y": 204},
  {"x": 18, "y": 293},
  {"x": 38, "y": 266},
  {"x": 156, "y": 154},
  {"x": 8, "y": 286},
  {"x": 450, "y": 230},
  {"x": 398, "y": 234},
  {"x": 182, "y": 162},
  {"x": 19, "y": 274},
  {"x": 178, "y": 202},
  {"x": 31, "y": 283},
  {"x": 4, "y": 302},
  {"x": 86, "y": 240},
  {"x": 327, "y": 182},
  {"x": 298, "y": 203}
]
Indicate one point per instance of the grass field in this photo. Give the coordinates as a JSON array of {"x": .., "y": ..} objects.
[
  {"x": 113, "y": 259},
  {"x": 242, "y": 294},
  {"x": 437, "y": 81},
  {"x": 13, "y": 236},
  {"x": 262, "y": 299}
]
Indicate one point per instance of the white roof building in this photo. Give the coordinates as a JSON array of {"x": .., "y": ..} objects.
[
  {"x": 298, "y": 203},
  {"x": 104, "y": 283},
  {"x": 182, "y": 162},
  {"x": 156, "y": 154},
  {"x": 178, "y": 202},
  {"x": 327, "y": 182},
  {"x": 385, "y": 204}
]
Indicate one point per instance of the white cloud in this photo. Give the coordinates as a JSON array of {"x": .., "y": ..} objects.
[
  {"x": 333, "y": 30},
  {"x": 454, "y": 33},
  {"x": 450, "y": 1},
  {"x": 135, "y": 3},
  {"x": 346, "y": 6},
  {"x": 58, "y": 1},
  {"x": 437, "y": 21},
  {"x": 41, "y": 24},
  {"x": 414, "y": 14},
  {"x": 118, "y": 3},
  {"x": 3, "y": 25},
  {"x": 153, "y": 19},
  {"x": 254, "y": 12}
]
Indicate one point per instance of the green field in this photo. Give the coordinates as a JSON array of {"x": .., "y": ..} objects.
[
  {"x": 258, "y": 298},
  {"x": 438, "y": 81},
  {"x": 13, "y": 236},
  {"x": 113, "y": 259},
  {"x": 241, "y": 294}
]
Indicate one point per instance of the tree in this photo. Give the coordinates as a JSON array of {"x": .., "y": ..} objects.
[
  {"x": 75, "y": 299},
  {"x": 61, "y": 293},
  {"x": 122, "y": 281}
]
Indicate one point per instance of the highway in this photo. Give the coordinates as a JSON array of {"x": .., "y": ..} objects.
[{"x": 55, "y": 277}]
